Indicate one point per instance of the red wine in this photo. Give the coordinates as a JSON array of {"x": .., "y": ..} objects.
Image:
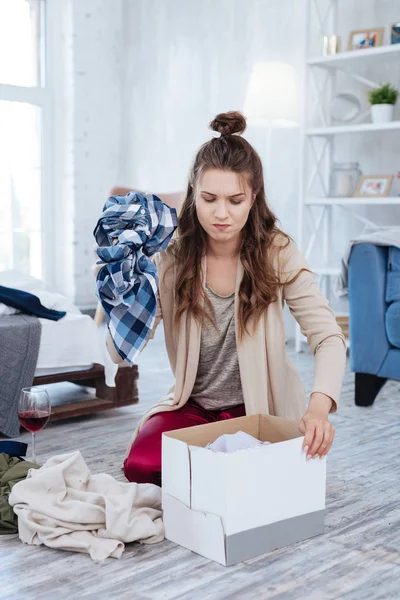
[{"x": 34, "y": 420}]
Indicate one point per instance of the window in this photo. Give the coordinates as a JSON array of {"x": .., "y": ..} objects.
[
  {"x": 21, "y": 25},
  {"x": 20, "y": 207},
  {"x": 23, "y": 110}
]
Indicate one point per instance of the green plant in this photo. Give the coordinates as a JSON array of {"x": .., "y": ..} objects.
[{"x": 386, "y": 94}]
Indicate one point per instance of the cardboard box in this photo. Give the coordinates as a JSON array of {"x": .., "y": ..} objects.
[{"x": 230, "y": 507}]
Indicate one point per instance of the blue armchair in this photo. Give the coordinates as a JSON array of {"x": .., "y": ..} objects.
[{"x": 374, "y": 297}]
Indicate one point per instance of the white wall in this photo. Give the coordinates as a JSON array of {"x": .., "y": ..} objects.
[
  {"x": 98, "y": 65},
  {"x": 88, "y": 136}
]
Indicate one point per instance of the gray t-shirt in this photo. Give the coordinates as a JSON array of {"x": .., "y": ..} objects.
[{"x": 218, "y": 384}]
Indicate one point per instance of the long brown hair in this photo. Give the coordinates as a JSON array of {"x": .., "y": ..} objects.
[{"x": 260, "y": 282}]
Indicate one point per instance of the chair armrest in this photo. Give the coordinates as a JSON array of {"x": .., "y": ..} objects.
[{"x": 367, "y": 286}]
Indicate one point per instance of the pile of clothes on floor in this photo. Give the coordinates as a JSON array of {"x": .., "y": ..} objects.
[
  {"x": 62, "y": 505},
  {"x": 13, "y": 469}
]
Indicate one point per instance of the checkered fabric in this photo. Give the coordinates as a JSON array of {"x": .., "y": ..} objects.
[{"x": 130, "y": 230}]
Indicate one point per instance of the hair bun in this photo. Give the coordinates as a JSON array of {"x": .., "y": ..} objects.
[{"x": 229, "y": 123}]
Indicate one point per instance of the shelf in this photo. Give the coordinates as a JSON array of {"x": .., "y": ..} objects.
[
  {"x": 358, "y": 128},
  {"x": 345, "y": 59},
  {"x": 353, "y": 200}
]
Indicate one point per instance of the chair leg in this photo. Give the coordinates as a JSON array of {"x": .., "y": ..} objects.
[{"x": 367, "y": 388}]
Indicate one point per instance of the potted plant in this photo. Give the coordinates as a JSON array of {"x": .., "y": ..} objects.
[{"x": 382, "y": 100}]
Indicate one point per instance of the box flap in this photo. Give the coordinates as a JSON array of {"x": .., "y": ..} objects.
[
  {"x": 208, "y": 480},
  {"x": 197, "y": 531},
  {"x": 176, "y": 469}
]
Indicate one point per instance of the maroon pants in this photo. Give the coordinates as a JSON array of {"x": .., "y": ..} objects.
[{"x": 143, "y": 465}]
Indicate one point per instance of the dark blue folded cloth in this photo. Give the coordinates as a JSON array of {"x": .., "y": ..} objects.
[
  {"x": 13, "y": 448},
  {"x": 28, "y": 303}
]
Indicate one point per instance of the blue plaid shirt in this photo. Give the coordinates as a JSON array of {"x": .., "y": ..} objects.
[{"x": 130, "y": 230}]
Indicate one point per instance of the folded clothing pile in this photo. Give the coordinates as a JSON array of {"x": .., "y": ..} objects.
[{"x": 13, "y": 469}]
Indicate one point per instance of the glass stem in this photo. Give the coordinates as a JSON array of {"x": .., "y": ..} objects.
[{"x": 33, "y": 448}]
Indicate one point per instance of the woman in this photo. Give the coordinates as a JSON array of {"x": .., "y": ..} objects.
[{"x": 222, "y": 286}]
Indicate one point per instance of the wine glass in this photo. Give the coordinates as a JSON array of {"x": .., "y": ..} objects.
[{"x": 34, "y": 411}]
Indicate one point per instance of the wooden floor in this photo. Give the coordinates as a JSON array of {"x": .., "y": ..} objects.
[{"x": 357, "y": 557}]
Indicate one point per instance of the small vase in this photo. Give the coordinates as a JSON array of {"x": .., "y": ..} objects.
[{"x": 382, "y": 113}]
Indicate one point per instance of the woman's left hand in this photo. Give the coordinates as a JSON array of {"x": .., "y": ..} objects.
[{"x": 318, "y": 431}]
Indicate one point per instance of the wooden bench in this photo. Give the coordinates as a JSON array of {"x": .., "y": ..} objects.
[{"x": 124, "y": 393}]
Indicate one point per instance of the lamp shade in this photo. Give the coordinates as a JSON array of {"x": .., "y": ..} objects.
[{"x": 272, "y": 95}]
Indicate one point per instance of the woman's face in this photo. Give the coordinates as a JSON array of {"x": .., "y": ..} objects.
[{"x": 223, "y": 203}]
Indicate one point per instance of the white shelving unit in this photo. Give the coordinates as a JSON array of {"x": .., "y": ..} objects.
[
  {"x": 352, "y": 200},
  {"x": 316, "y": 151},
  {"x": 358, "y": 128},
  {"x": 350, "y": 59}
]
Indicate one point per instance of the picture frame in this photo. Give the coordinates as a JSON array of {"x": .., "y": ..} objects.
[
  {"x": 395, "y": 33},
  {"x": 373, "y": 186},
  {"x": 361, "y": 39}
]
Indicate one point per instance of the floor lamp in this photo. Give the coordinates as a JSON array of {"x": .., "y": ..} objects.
[{"x": 272, "y": 100}]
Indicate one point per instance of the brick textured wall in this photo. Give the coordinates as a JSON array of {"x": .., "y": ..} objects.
[{"x": 97, "y": 68}]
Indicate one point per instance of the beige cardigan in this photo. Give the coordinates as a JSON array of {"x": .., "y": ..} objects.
[{"x": 270, "y": 382}]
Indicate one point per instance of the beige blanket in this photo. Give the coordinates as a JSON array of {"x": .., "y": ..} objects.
[{"x": 62, "y": 505}]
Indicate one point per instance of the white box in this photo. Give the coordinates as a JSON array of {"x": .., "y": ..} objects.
[{"x": 231, "y": 507}]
